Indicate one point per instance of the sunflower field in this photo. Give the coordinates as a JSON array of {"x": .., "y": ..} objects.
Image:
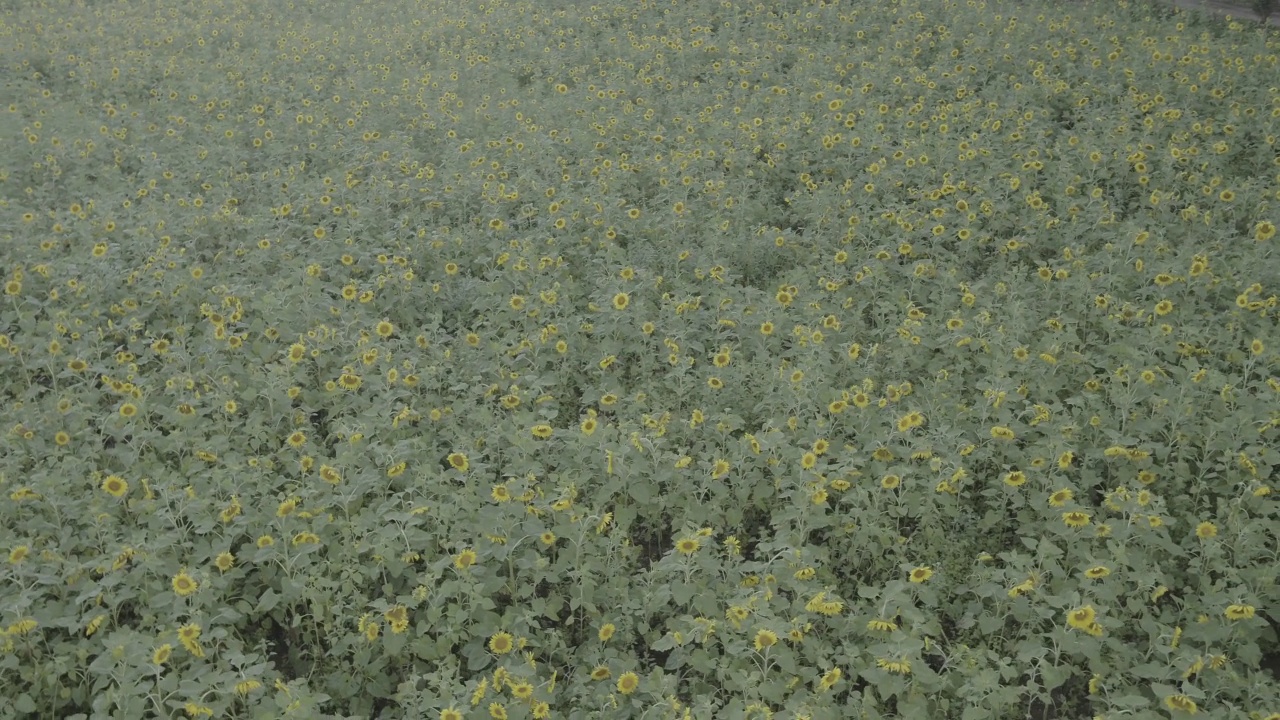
[{"x": 661, "y": 359}]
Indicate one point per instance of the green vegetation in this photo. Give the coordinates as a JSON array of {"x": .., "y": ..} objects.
[
  {"x": 1264, "y": 8},
  {"x": 706, "y": 359}
]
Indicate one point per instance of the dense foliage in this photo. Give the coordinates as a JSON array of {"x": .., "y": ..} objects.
[{"x": 697, "y": 359}]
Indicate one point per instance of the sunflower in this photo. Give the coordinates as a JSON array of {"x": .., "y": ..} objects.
[
  {"x": 897, "y": 667},
  {"x": 188, "y": 636},
  {"x": 115, "y": 486},
  {"x": 1061, "y": 497},
  {"x": 621, "y": 301},
  {"x": 1181, "y": 703},
  {"x": 921, "y": 574},
  {"x": 184, "y": 584},
  {"x": 1239, "y": 612},
  {"x": 501, "y": 643},
  {"x": 688, "y": 546},
  {"x": 881, "y": 625},
  {"x": 94, "y": 624},
  {"x": 224, "y": 562},
  {"x": 1082, "y": 617},
  {"x": 765, "y": 639},
  {"x": 162, "y": 654},
  {"x": 600, "y": 672},
  {"x": 1022, "y": 588},
  {"x": 628, "y": 682},
  {"x": 1075, "y": 519},
  {"x": 464, "y": 559},
  {"x": 542, "y": 432},
  {"x": 1017, "y": 478}
]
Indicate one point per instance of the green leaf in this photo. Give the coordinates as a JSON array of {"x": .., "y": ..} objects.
[
  {"x": 640, "y": 491},
  {"x": 682, "y": 592},
  {"x": 394, "y": 643},
  {"x": 1053, "y": 676},
  {"x": 269, "y": 600},
  {"x": 24, "y": 703}
]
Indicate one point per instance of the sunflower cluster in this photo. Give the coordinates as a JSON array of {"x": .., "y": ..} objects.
[{"x": 663, "y": 360}]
